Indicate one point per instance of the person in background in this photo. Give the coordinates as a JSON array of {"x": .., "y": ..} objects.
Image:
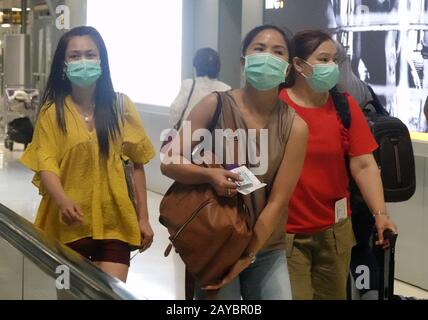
[
  {"x": 362, "y": 219},
  {"x": 348, "y": 81},
  {"x": 319, "y": 229},
  {"x": 207, "y": 65},
  {"x": 79, "y": 142}
]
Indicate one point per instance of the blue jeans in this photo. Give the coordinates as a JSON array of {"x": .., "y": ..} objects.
[{"x": 266, "y": 279}]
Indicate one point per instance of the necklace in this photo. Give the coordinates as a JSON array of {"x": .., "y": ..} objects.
[{"x": 87, "y": 116}]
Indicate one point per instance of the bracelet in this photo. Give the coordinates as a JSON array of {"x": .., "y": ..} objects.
[{"x": 380, "y": 213}]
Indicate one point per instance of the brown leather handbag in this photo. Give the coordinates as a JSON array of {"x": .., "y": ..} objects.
[{"x": 209, "y": 232}]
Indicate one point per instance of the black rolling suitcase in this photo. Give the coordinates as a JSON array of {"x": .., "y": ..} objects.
[{"x": 386, "y": 264}]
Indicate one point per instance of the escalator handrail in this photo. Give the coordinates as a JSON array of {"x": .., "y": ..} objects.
[{"x": 47, "y": 253}]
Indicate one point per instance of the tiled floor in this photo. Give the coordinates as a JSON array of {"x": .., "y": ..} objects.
[
  {"x": 151, "y": 275},
  {"x": 407, "y": 290}
]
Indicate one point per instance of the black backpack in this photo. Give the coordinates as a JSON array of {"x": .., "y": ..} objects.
[
  {"x": 395, "y": 153},
  {"x": 20, "y": 130}
]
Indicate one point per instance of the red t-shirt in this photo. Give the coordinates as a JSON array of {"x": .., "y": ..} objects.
[{"x": 324, "y": 179}]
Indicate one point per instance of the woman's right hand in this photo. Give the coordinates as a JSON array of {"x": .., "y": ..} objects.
[
  {"x": 224, "y": 182},
  {"x": 71, "y": 212}
]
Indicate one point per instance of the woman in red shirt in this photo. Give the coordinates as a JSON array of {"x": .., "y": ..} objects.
[{"x": 319, "y": 229}]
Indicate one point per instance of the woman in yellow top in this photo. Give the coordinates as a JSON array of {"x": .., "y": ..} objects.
[{"x": 80, "y": 139}]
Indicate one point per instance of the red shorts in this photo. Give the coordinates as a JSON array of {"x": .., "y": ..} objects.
[{"x": 102, "y": 250}]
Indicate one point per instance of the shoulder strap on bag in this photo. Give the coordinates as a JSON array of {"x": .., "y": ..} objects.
[
  {"x": 128, "y": 166},
  {"x": 217, "y": 112},
  {"x": 342, "y": 107},
  {"x": 120, "y": 106},
  {"x": 178, "y": 124},
  {"x": 375, "y": 102},
  {"x": 228, "y": 117}
]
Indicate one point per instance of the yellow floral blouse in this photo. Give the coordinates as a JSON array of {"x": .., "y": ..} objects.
[{"x": 99, "y": 188}]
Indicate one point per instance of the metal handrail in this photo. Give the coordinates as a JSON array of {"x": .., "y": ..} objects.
[{"x": 87, "y": 281}]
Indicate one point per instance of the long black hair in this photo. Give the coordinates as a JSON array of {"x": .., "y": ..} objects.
[{"x": 59, "y": 87}]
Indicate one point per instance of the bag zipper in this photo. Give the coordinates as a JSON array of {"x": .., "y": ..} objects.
[
  {"x": 169, "y": 248},
  {"x": 397, "y": 160}
]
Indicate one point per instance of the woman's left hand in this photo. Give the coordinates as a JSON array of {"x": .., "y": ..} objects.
[
  {"x": 146, "y": 235},
  {"x": 242, "y": 264},
  {"x": 384, "y": 222}
]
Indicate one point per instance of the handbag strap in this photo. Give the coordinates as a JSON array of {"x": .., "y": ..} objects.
[
  {"x": 228, "y": 116},
  {"x": 217, "y": 113},
  {"x": 179, "y": 122},
  {"x": 120, "y": 107},
  {"x": 228, "y": 119}
]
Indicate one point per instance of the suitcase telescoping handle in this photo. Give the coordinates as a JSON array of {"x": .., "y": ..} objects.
[
  {"x": 391, "y": 236},
  {"x": 387, "y": 267}
]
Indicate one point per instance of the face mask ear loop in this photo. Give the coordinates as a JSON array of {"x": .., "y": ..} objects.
[
  {"x": 308, "y": 63},
  {"x": 286, "y": 69},
  {"x": 304, "y": 75}
]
